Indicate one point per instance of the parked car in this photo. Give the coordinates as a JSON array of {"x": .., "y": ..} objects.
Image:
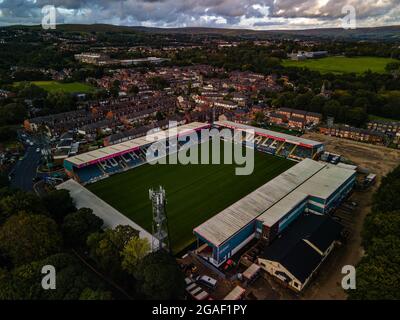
[
  {"x": 197, "y": 292},
  {"x": 207, "y": 281}
]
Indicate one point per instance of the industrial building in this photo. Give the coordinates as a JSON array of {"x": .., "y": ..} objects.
[
  {"x": 294, "y": 257},
  {"x": 309, "y": 186}
]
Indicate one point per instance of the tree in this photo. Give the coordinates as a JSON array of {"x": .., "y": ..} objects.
[
  {"x": 90, "y": 294},
  {"x": 59, "y": 203},
  {"x": 4, "y": 182},
  {"x": 302, "y": 101},
  {"x": 25, "y": 238},
  {"x": 160, "y": 277},
  {"x": 259, "y": 117},
  {"x": 6, "y": 288},
  {"x": 72, "y": 281},
  {"x": 356, "y": 116},
  {"x": 134, "y": 90},
  {"x": 77, "y": 226},
  {"x": 379, "y": 225},
  {"x": 72, "y": 278},
  {"x": 160, "y": 116},
  {"x": 105, "y": 248},
  {"x": 317, "y": 103},
  {"x": 20, "y": 201},
  {"x": 12, "y": 113},
  {"x": 387, "y": 198},
  {"x": 60, "y": 102},
  {"x": 393, "y": 66},
  {"x": 27, "y": 90},
  {"x": 378, "y": 274},
  {"x": 134, "y": 251},
  {"x": 7, "y": 133},
  {"x": 157, "y": 83}
]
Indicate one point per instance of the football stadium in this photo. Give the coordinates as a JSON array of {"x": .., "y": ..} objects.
[{"x": 208, "y": 202}]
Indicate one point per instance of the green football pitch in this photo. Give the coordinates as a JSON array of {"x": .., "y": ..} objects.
[
  {"x": 339, "y": 65},
  {"x": 55, "y": 86},
  {"x": 194, "y": 193}
]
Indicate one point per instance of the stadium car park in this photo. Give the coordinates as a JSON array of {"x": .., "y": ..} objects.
[{"x": 284, "y": 204}]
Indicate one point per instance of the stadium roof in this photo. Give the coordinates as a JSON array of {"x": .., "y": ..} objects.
[
  {"x": 273, "y": 134},
  {"x": 326, "y": 181},
  {"x": 322, "y": 185},
  {"x": 111, "y": 217},
  {"x": 95, "y": 156},
  {"x": 275, "y": 199},
  {"x": 224, "y": 225}
]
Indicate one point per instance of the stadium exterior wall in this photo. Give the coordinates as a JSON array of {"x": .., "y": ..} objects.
[
  {"x": 291, "y": 216},
  {"x": 257, "y": 229}
]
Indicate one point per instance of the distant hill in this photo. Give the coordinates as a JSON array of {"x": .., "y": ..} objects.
[{"x": 377, "y": 33}]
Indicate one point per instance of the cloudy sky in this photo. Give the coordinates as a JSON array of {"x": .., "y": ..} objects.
[{"x": 253, "y": 14}]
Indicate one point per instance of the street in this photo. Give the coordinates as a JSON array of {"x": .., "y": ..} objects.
[{"x": 25, "y": 169}]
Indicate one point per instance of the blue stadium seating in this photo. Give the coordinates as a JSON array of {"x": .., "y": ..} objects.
[
  {"x": 302, "y": 153},
  {"x": 286, "y": 150},
  {"x": 131, "y": 160},
  {"x": 88, "y": 173},
  {"x": 110, "y": 166}
]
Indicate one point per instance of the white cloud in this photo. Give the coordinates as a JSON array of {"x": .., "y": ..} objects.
[{"x": 258, "y": 14}]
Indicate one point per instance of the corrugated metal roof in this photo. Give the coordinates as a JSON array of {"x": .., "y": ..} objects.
[
  {"x": 275, "y": 213},
  {"x": 275, "y": 199},
  {"x": 112, "y": 218},
  {"x": 127, "y": 146},
  {"x": 286, "y": 137},
  {"x": 327, "y": 181},
  {"x": 231, "y": 220}
]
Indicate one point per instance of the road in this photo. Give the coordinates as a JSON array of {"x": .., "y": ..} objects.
[{"x": 25, "y": 170}]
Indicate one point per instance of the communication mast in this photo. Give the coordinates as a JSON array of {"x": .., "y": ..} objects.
[{"x": 160, "y": 222}]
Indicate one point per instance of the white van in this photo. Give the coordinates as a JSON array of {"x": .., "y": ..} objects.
[{"x": 207, "y": 281}]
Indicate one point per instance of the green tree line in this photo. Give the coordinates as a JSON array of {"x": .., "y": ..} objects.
[
  {"x": 378, "y": 273},
  {"x": 35, "y": 232}
]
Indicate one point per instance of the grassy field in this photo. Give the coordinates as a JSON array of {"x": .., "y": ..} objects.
[
  {"x": 340, "y": 65},
  {"x": 195, "y": 193},
  {"x": 73, "y": 87}
]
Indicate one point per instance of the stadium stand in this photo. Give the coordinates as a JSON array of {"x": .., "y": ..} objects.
[
  {"x": 301, "y": 153},
  {"x": 94, "y": 165},
  {"x": 277, "y": 143},
  {"x": 286, "y": 149},
  {"x": 89, "y": 173},
  {"x": 308, "y": 187}
]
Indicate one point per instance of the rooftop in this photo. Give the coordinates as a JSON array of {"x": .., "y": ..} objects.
[
  {"x": 299, "y": 248},
  {"x": 269, "y": 133},
  {"x": 130, "y": 145},
  {"x": 275, "y": 199},
  {"x": 225, "y": 224}
]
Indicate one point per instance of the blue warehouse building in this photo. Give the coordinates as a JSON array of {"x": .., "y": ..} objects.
[{"x": 309, "y": 186}]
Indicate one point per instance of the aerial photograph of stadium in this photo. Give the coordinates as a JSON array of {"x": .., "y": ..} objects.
[{"x": 200, "y": 152}]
